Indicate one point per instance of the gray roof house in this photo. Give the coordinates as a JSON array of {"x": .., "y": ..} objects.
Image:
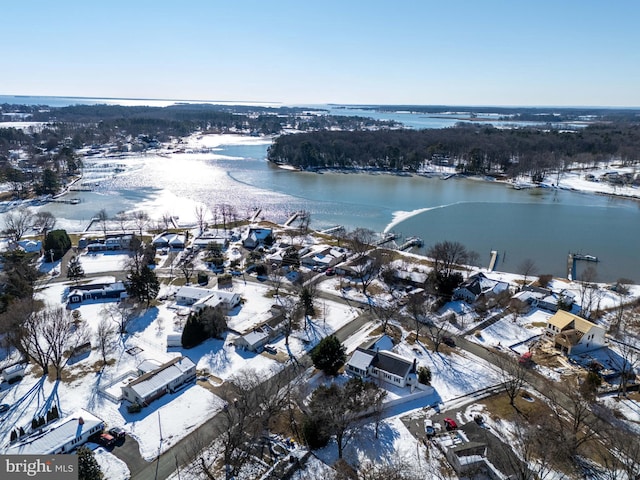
[
  {"x": 384, "y": 365},
  {"x": 167, "y": 378}
]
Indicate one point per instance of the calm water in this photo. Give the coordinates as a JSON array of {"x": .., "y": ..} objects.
[{"x": 540, "y": 224}]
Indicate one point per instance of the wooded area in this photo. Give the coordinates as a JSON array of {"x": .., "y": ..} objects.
[{"x": 473, "y": 148}]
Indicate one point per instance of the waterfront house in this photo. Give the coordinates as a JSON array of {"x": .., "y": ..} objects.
[
  {"x": 199, "y": 298},
  {"x": 384, "y": 365},
  {"x": 477, "y": 286},
  {"x": 169, "y": 240},
  {"x": 572, "y": 334},
  {"x": 60, "y": 436},
  {"x": 167, "y": 378},
  {"x": 255, "y": 237}
]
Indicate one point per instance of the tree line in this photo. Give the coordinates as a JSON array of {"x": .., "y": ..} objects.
[{"x": 473, "y": 148}]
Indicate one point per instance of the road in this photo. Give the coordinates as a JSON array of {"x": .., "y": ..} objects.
[{"x": 182, "y": 453}]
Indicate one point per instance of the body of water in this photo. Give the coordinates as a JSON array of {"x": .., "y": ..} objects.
[{"x": 541, "y": 224}]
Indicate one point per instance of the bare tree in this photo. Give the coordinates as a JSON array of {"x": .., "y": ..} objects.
[
  {"x": 62, "y": 335},
  {"x": 167, "y": 220},
  {"x": 122, "y": 313},
  {"x": 626, "y": 362},
  {"x": 276, "y": 276},
  {"x": 102, "y": 218},
  {"x": 417, "y": 309},
  {"x": 436, "y": 332},
  {"x": 588, "y": 291},
  {"x": 44, "y": 223},
  {"x": 385, "y": 313},
  {"x": 16, "y": 223},
  {"x": 201, "y": 214},
  {"x": 527, "y": 268},
  {"x": 622, "y": 462},
  {"x": 361, "y": 241},
  {"x": 513, "y": 376},
  {"x": 105, "y": 336},
  {"x": 141, "y": 219},
  {"x": 447, "y": 255},
  {"x": 187, "y": 269},
  {"x": 122, "y": 218},
  {"x": 366, "y": 269}
]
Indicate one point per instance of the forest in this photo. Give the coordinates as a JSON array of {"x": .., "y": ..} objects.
[{"x": 473, "y": 148}]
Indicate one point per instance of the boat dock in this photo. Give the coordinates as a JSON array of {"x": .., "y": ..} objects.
[
  {"x": 332, "y": 230},
  {"x": 411, "y": 242},
  {"x": 292, "y": 219},
  {"x": 70, "y": 201},
  {"x": 493, "y": 260},
  {"x": 256, "y": 215},
  {"x": 386, "y": 238},
  {"x": 572, "y": 258}
]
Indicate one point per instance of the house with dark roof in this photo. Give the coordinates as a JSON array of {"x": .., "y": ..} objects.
[
  {"x": 477, "y": 286},
  {"x": 97, "y": 291},
  {"x": 383, "y": 365},
  {"x": 167, "y": 378}
]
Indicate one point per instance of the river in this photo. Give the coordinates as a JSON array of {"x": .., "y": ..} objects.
[{"x": 541, "y": 224}]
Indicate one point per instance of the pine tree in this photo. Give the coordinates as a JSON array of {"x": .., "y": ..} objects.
[
  {"x": 88, "y": 467},
  {"x": 329, "y": 355},
  {"x": 74, "y": 270}
]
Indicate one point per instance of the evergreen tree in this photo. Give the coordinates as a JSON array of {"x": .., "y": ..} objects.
[
  {"x": 193, "y": 333},
  {"x": 143, "y": 284},
  {"x": 88, "y": 467},
  {"x": 58, "y": 242},
  {"x": 329, "y": 355},
  {"x": 74, "y": 270}
]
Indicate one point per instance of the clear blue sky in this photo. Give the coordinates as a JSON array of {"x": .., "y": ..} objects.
[{"x": 474, "y": 52}]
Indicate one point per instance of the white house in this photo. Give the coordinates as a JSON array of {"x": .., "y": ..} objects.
[
  {"x": 200, "y": 298},
  {"x": 479, "y": 285},
  {"x": 97, "y": 291},
  {"x": 573, "y": 334},
  {"x": 255, "y": 237},
  {"x": 190, "y": 295},
  {"x": 61, "y": 436},
  {"x": 384, "y": 365},
  {"x": 167, "y": 378},
  {"x": 256, "y": 339},
  {"x": 169, "y": 240}
]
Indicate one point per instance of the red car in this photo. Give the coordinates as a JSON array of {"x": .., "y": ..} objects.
[{"x": 450, "y": 423}]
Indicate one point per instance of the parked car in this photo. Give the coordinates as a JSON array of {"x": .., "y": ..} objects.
[
  {"x": 106, "y": 440},
  {"x": 448, "y": 341},
  {"x": 428, "y": 428},
  {"x": 450, "y": 423},
  {"x": 236, "y": 273},
  {"x": 117, "y": 432},
  {"x": 329, "y": 272},
  {"x": 4, "y": 407},
  {"x": 270, "y": 349}
]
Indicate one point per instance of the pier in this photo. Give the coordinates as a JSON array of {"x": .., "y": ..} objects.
[
  {"x": 493, "y": 260},
  {"x": 411, "y": 242},
  {"x": 255, "y": 216},
  {"x": 573, "y": 258},
  {"x": 332, "y": 230},
  {"x": 386, "y": 238},
  {"x": 292, "y": 219}
]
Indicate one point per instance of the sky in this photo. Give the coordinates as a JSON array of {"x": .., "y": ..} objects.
[{"x": 443, "y": 52}]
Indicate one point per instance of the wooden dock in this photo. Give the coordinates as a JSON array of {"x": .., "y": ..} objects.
[
  {"x": 386, "y": 238},
  {"x": 493, "y": 260},
  {"x": 332, "y": 230},
  {"x": 575, "y": 257},
  {"x": 292, "y": 219},
  {"x": 411, "y": 242},
  {"x": 255, "y": 216}
]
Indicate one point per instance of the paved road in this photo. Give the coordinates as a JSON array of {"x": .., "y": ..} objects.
[{"x": 182, "y": 452}]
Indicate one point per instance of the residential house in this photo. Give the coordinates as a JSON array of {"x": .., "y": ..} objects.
[
  {"x": 110, "y": 244},
  {"x": 413, "y": 278},
  {"x": 255, "y": 237},
  {"x": 167, "y": 378},
  {"x": 384, "y": 365},
  {"x": 255, "y": 339},
  {"x": 573, "y": 334},
  {"x": 30, "y": 246},
  {"x": 61, "y": 436},
  {"x": 199, "y": 297},
  {"x": 322, "y": 258},
  {"x": 97, "y": 291},
  {"x": 477, "y": 286},
  {"x": 170, "y": 240}
]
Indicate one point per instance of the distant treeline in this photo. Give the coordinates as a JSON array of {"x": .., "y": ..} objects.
[
  {"x": 87, "y": 125},
  {"x": 551, "y": 115},
  {"x": 473, "y": 148}
]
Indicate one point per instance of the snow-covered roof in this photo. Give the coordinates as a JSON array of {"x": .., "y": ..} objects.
[
  {"x": 255, "y": 337},
  {"x": 361, "y": 359},
  {"x": 195, "y": 293},
  {"x": 165, "y": 374},
  {"x": 56, "y": 435}
]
